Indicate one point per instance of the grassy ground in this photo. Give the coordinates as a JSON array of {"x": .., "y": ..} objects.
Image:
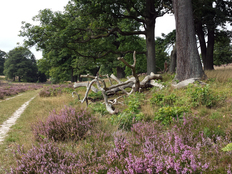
[{"x": 216, "y": 117}]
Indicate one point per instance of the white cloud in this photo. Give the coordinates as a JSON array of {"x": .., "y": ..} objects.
[{"x": 13, "y": 12}]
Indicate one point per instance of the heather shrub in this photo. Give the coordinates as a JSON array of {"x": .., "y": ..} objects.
[
  {"x": 67, "y": 124},
  {"x": 165, "y": 115},
  {"x": 47, "y": 158},
  {"x": 44, "y": 93},
  {"x": 54, "y": 90},
  {"x": 1, "y": 95}
]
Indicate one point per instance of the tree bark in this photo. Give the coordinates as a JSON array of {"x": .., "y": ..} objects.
[
  {"x": 172, "y": 67},
  {"x": 206, "y": 51},
  {"x": 209, "y": 53},
  {"x": 188, "y": 59},
  {"x": 150, "y": 36}
]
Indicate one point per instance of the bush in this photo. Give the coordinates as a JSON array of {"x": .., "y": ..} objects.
[
  {"x": 161, "y": 99},
  {"x": 130, "y": 115},
  {"x": 202, "y": 96},
  {"x": 47, "y": 158},
  {"x": 68, "y": 124},
  {"x": 99, "y": 108},
  {"x": 166, "y": 114}
]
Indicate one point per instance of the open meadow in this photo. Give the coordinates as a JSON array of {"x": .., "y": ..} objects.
[{"x": 156, "y": 131}]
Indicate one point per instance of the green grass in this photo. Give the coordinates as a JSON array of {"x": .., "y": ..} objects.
[{"x": 8, "y": 107}]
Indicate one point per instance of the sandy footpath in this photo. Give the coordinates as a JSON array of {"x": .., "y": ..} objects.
[{"x": 5, "y": 127}]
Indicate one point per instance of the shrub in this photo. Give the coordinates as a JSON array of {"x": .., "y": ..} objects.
[
  {"x": 130, "y": 115},
  {"x": 99, "y": 108},
  {"x": 68, "y": 124},
  {"x": 166, "y": 114},
  {"x": 202, "y": 96},
  {"x": 47, "y": 158},
  {"x": 161, "y": 99}
]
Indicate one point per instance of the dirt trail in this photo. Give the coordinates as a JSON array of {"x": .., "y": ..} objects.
[{"x": 5, "y": 127}]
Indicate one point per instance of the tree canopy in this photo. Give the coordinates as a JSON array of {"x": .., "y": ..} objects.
[
  {"x": 97, "y": 29},
  {"x": 2, "y": 61},
  {"x": 21, "y": 63}
]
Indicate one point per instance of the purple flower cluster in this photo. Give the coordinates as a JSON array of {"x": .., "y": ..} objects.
[
  {"x": 54, "y": 90},
  {"x": 47, "y": 158},
  {"x": 148, "y": 148},
  {"x": 13, "y": 89},
  {"x": 67, "y": 124}
]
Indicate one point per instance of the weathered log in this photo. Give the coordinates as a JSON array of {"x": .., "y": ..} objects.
[
  {"x": 152, "y": 76},
  {"x": 186, "y": 82},
  {"x": 108, "y": 106},
  {"x": 155, "y": 84}
]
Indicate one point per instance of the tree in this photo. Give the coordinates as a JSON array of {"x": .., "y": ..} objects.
[
  {"x": 222, "y": 49},
  {"x": 87, "y": 20},
  {"x": 21, "y": 62},
  {"x": 2, "y": 61},
  {"x": 188, "y": 59},
  {"x": 208, "y": 15}
]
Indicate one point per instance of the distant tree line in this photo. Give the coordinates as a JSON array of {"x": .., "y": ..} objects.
[{"x": 20, "y": 63}]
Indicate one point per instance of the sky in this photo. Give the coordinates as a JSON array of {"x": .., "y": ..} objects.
[{"x": 13, "y": 12}]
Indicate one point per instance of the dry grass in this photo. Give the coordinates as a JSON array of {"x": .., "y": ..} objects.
[
  {"x": 20, "y": 133},
  {"x": 220, "y": 74}
]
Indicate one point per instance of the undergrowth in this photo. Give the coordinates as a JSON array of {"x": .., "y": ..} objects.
[{"x": 188, "y": 131}]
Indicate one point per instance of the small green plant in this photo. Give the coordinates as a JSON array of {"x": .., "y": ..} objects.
[
  {"x": 130, "y": 115},
  {"x": 160, "y": 99},
  {"x": 216, "y": 115},
  {"x": 99, "y": 108},
  {"x": 166, "y": 114},
  {"x": 126, "y": 119},
  {"x": 202, "y": 96},
  {"x": 214, "y": 132},
  {"x": 96, "y": 96},
  {"x": 227, "y": 148}
]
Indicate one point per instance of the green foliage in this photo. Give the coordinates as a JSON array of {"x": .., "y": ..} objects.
[
  {"x": 160, "y": 99},
  {"x": 222, "y": 49},
  {"x": 227, "y": 148},
  {"x": 202, "y": 95},
  {"x": 96, "y": 96},
  {"x": 166, "y": 114},
  {"x": 131, "y": 114},
  {"x": 213, "y": 132},
  {"x": 99, "y": 108},
  {"x": 2, "y": 61},
  {"x": 21, "y": 62}
]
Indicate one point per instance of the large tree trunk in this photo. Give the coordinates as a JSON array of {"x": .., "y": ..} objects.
[
  {"x": 172, "y": 67},
  {"x": 209, "y": 53},
  {"x": 150, "y": 36},
  {"x": 206, "y": 51},
  {"x": 188, "y": 59},
  {"x": 201, "y": 37}
]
